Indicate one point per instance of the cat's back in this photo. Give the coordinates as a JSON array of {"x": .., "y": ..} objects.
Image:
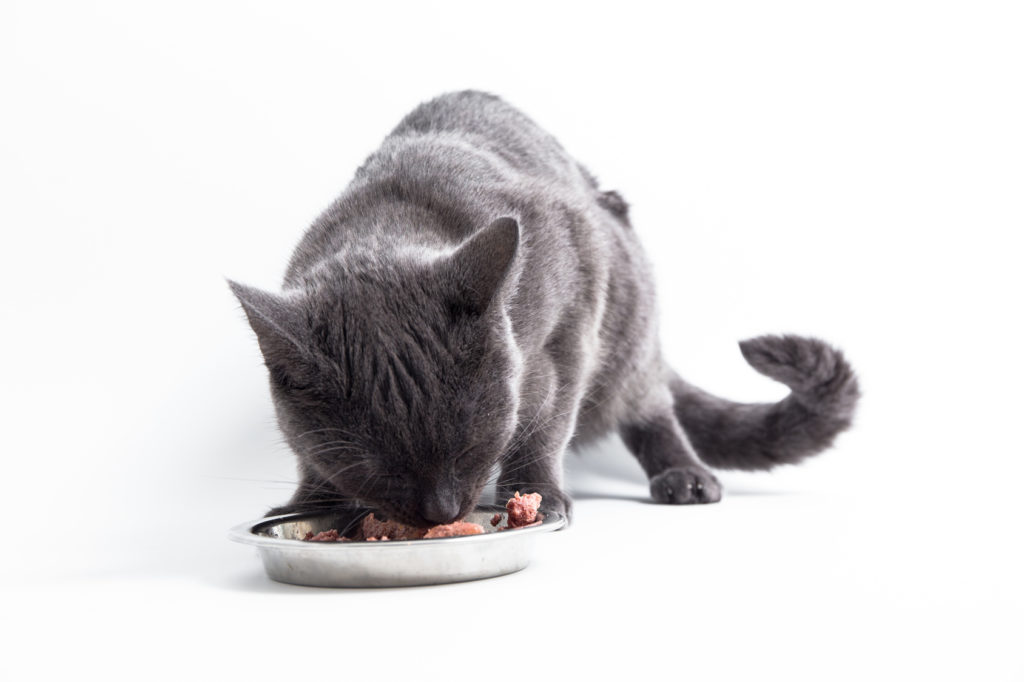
[
  {"x": 488, "y": 123},
  {"x": 469, "y": 156}
]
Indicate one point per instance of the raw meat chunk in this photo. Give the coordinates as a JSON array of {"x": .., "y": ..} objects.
[
  {"x": 522, "y": 509},
  {"x": 522, "y": 513},
  {"x": 450, "y": 530},
  {"x": 374, "y": 528},
  {"x": 325, "y": 536}
]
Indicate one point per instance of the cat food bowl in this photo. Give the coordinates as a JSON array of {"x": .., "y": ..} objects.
[{"x": 287, "y": 558}]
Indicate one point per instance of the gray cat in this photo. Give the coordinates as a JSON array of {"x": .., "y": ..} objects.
[{"x": 474, "y": 303}]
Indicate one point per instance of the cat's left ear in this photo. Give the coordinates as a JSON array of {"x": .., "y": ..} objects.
[
  {"x": 277, "y": 323},
  {"x": 481, "y": 265}
]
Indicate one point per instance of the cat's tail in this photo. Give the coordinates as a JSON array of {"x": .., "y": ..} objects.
[{"x": 758, "y": 436}]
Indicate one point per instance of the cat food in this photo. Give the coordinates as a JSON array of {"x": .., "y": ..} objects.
[
  {"x": 374, "y": 528},
  {"x": 325, "y": 536},
  {"x": 522, "y": 510},
  {"x": 522, "y": 513},
  {"x": 450, "y": 530}
]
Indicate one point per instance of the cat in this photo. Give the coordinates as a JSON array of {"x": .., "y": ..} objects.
[{"x": 474, "y": 304}]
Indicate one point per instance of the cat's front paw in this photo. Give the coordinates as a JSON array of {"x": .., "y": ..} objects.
[
  {"x": 556, "y": 501},
  {"x": 686, "y": 485}
]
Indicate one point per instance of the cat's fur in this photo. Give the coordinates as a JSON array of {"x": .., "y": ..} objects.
[{"x": 475, "y": 301}]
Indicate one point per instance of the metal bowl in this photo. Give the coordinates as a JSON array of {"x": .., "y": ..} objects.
[{"x": 394, "y": 563}]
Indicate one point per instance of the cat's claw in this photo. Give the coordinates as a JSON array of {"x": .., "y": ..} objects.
[{"x": 686, "y": 485}]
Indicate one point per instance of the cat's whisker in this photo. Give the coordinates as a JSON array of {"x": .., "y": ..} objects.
[
  {"x": 525, "y": 465},
  {"x": 320, "y": 430},
  {"x": 538, "y": 428},
  {"x": 251, "y": 480},
  {"x": 529, "y": 429},
  {"x": 321, "y": 485},
  {"x": 344, "y": 441},
  {"x": 333, "y": 447}
]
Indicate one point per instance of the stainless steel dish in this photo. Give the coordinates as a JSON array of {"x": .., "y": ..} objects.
[{"x": 395, "y": 563}]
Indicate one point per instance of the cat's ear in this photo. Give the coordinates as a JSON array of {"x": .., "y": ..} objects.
[
  {"x": 278, "y": 322},
  {"x": 482, "y": 263}
]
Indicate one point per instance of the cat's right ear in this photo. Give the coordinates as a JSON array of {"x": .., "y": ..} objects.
[{"x": 278, "y": 322}]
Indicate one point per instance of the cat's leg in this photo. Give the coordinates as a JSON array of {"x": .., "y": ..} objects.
[
  {"x": 659, "y": 443},
  {"x": 533, "y": 463},
  {"x": 535, "y": 466}
]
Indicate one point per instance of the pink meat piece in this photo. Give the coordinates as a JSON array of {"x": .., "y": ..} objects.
[
  {"x": 522, "y": 513},
  {"x": 522, "y": 509},
  {"x": 374, "y": 528},
  {"x": 450, "y": 530},
  {"x": 325, "y": 536}
]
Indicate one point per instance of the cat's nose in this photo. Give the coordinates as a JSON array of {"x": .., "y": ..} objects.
[{"x": 440, "y": 508}]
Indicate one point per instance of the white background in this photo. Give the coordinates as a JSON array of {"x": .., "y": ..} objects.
[{"x": 851, "y": 172}]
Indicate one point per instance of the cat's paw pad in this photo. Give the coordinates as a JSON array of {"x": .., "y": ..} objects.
[{"x": 686, "y": 485}]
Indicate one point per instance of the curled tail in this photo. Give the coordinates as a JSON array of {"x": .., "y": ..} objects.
[{"x": 758, "y": 436}]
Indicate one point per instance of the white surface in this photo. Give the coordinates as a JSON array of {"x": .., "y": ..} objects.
[{"x": 850, "y": 173}]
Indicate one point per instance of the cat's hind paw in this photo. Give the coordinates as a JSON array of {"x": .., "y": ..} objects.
[{"x": 686, "y": 485}]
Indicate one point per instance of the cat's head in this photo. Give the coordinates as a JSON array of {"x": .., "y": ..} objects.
[{"x": 395, "y": 377}]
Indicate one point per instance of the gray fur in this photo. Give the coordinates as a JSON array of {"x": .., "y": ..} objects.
[{"x": 473, "y": 303}]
